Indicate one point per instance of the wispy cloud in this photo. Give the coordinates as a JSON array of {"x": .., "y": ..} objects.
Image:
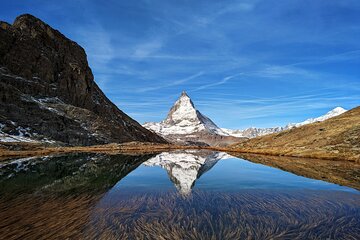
[
  {"x": 221, "y": 82},
  {"x": 237, "y": 7},
  {"x": 97, "y": 44},
  {"x": 144, "y": 50},
  {"x": 233, "y": 7},
  {"x": 275, "y": 71},
  {"x": 345, "y": 56},
  {"x": 171, "y": 84}
]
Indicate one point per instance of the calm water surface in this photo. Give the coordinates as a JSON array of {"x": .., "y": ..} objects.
[{"x": 172, "y": 195}]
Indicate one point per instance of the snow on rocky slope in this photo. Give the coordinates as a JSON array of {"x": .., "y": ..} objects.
[
  {"x": 186, "y": 125},
  {"x": 184, "y": 168},
  {"x": 11, "y": 132},
  {"x": 333, "y": 113},
  {"x": 257, "y": 132},
  {"x": 183, "y": 118}
]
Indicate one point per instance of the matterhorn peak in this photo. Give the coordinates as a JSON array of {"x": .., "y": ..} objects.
[
  {"x": 183, "y": 110},
  {"x": 184, "y": 94},
  {"x": 183, "y": 119}
]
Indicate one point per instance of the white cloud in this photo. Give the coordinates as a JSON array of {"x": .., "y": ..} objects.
[
  {"x": 221, "y": 82},
  {"x": 173, "y": 83},
  {"x": 279, "y": 71},
  {"x": 97, "y": 44},
  {"x": 145, "y": 49}
]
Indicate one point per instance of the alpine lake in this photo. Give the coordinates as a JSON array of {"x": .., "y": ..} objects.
[{"x": 193, "y": 194}]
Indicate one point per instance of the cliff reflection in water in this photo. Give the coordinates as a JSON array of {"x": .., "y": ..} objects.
[{"x": 72, "y": 174}]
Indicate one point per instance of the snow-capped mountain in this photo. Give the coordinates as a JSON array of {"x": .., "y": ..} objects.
[
  {"x": 183, "y": 118},
  {"x": 185, "y": 124},
  {"x": 184, "y": 168},
  {"x": 257, "y": 132}
]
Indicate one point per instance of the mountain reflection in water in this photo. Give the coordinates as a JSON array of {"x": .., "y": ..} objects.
[
  {"x": 99, "y": 196},
  {"x": 185, "y": 167}
]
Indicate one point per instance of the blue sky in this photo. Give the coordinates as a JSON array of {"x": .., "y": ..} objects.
[{"x": 244, "y": 63}]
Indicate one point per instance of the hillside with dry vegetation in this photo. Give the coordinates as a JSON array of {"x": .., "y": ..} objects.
[{"x": 337, "y": 138}]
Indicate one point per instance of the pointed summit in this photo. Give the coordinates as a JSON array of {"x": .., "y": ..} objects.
[
  {"x": 183, "y": 109},
  {"x": 184, "y": 119},
  {"x": 184, "y": 94}
]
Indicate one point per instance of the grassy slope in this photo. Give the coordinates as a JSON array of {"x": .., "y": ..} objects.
[{"x": 336, "y": 138}]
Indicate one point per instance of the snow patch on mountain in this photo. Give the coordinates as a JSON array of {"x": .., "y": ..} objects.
[{"x": 20, "y": 134}]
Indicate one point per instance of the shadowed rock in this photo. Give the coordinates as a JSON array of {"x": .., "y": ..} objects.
[{"x": 47, "y": 86}]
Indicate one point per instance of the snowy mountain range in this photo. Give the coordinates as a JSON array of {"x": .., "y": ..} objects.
[
  {"x": 257, "y": 132},
  {"x": 184, "y": 168},
  {"x": 333, "y": 113},
  {"x": 185, "y": 124}
]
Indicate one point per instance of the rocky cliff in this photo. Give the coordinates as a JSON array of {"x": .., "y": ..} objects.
[{"x": 48, "y": 89}]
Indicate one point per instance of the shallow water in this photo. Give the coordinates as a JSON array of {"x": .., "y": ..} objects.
[{"x": 176, "y": 195}]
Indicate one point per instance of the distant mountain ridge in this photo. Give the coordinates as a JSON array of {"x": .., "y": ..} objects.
[
  {"x": 333, "y": 113},
  {"x": 184, "y": 124},
  {"x": 335, "y": 138},
  {"x": 47, "y": 91},
  {"x": 258, "y": 132}
]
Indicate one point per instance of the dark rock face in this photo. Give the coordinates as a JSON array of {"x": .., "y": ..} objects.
[{"x": 47, "y": 86}]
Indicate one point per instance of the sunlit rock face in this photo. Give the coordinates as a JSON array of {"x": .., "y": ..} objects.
[{"x": 184, "y": 168}]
